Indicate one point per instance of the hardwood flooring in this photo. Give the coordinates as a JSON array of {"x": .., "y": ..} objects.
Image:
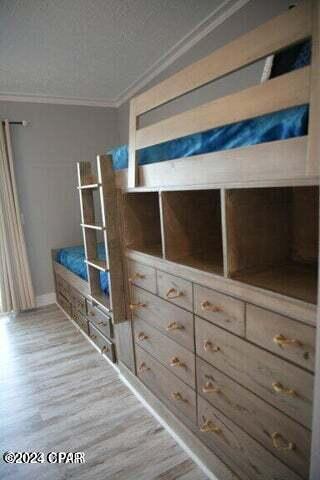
[{"x": 58, "y": 394}]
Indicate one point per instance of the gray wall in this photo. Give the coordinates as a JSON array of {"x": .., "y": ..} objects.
[
  {"x": 46, "y": 153},
  {"x": 248, "y": 17}
]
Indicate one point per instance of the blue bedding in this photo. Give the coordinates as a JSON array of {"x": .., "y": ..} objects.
[{"x": 73, "y": 259}]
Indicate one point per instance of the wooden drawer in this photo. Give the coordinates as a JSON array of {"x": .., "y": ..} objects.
[
  {"x": 180, "y": 398},
  {"x": 237, "y": 448},
  {"x": 282, "y": 384},
  {"x": 171, "y": 320},
  {"x": 175, "y": 290},
  {"x": 100, "y": 320},
  {"x": 81, "y": 320},
  {"x": 285, "y": 438},
  {"x": 64, "y": 303},
  {"x": 78, "y": 301},
  {"x": 105, "y": 345},
  {"x": 142, "y": 276},
  {"x": 63, "y": 287},
  {"x": 224, "y": 311},
  {"x": 285, "y": 337},
  {"x": 176, "y": 358}
]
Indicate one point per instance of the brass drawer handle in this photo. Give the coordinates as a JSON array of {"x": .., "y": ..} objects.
[
  {"x": 93, "y": 337},
  {"x": 210, "y": 388},
  {"x": 279, "y": 388},
  {"x": 209, "y": 347},
  {"x": 209, "y": 427},
  {"x": 135, "y": 306},
  {"x": 92, "y": 313},
  {"x": 136, "y": 276},
  {"x": 173, "y": 293},
  {"x": 103, "y": 324},
  {"x": 177, "y": 396},
  {"x": 206, "y": 306},
  {"x": 175, "y": 362},
  {"x": 104, "y": 349},
  {"x": 143, "y": 367},
  {"x": 283, "y": 341},
  {"x": 174, "y": 326},
  {"x": 141, "y": 336},
  {"x": 281, "y": 443}
]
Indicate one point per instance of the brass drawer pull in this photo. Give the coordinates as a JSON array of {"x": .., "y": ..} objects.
[
  {"x": 143, "y": 367},
  {"x": 206, "y": 306},
  {"x": 283, "y": 341},
  {"x": 279, "y": 388},
  {"x": 104, "y": 349},
  {"x": 93, "y": 337},
  {"x": 135, "y": 306},
  {"x": 136, "y": 276},
  {"x": 209, "y": 347},
  {"x": 173, "y": 293},
  {"x": 92, "y": 313},
  {"x": 174, "y": 326},
  {"x": 210, "y": 388},
  {"x": 103, "y": 324},
  {"x": 281, "y": 443},
  {"x": 141, "y": 336},
  {"x": 175, "y": 362},
  {"x": 177, "y": 396},
  {"x": 209, "y": 427}
]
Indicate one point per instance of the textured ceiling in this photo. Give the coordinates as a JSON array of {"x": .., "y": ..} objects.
[{"x": 89, "y": 49}]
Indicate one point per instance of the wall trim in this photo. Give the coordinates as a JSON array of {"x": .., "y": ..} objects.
[
  {"x": 216, "y": 18},
  {"x": 45, "y": 299}
]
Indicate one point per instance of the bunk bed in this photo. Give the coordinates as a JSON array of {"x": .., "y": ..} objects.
[{"x": 218, "y": 211}]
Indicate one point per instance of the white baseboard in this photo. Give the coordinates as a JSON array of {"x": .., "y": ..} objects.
[{"x": 46, "y": 299}]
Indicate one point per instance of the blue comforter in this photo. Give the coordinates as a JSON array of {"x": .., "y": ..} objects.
[{"x": 73, "y": 259}]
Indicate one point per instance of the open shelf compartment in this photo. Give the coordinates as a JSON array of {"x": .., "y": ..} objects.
[
  {"x": 97, "y": 293},
  {"x": 192, "y": 228},
  {"x": 272, "y": 237},
  {"x": 142, "y": 229}
]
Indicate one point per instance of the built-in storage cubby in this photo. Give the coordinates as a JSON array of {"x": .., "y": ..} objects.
[
  {"x": 142, "y": 222},
  {"x": 272, "y": 238},
  {"x": 192, "y": 228}
]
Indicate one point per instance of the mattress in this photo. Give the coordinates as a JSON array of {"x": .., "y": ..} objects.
[
  {"x": 73, "y": 259},
  {"x": 282, "y": 125}
]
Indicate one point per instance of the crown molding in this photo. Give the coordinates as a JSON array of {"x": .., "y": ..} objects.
[
  {"x": 83, "y": 102},
  {"x": 216, "y": 18}
]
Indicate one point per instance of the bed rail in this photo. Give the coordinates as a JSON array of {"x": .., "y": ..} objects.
[{"x": 289, "y": 90}]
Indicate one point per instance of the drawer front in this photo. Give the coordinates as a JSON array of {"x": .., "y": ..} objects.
[
  {"x": 104, "y": 344},
  {"x": 142, "y": 276},
  {"x": 180, "y": 398},
  {"x": 78, "y": 301},
  {"x": 224, "y": 311},
  {"x": 171, "y": 320},
  {"x": 175, "y": 290},
  {"x": 81, "y": 321},
  {"x": 62, "y": 287},
  {"x": 101, "y": 321},
  {"x": 64, "y": 303},
  {"x": 176, "y": 358},
  {"x": 285, "y": 337},
  {"x": 282, "y": 384},
  {"x": 283, "y": 437},
  {"x": 243, "y": 452}
]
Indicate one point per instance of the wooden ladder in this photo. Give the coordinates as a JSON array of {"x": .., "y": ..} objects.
[{"x": 104, "y": 185}]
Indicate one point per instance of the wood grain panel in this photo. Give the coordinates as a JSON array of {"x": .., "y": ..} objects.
[
  {"x": 142, "y": 276},
  {"x": 177, "y": 359},
  {"x": 281, "y": 335},
  {"x": 175, "y": 289},
  {"x": 238, "y": 448},
  {"x": 180, "y": 398},
  {"x": 104, "y": 344},
  {"x": 256, "y": 417},
  {"x": 279, "y": 93},
  {"x": 100, "y": 320},
  {"x": 169, "y": 319},
  {"x": 280, "y": 383}
]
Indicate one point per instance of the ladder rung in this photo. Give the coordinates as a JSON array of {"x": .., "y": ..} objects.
[
  {"x": 94, "y": 227},
  {"x": 92, "y": 186},
  {"x": 98, "y": 264}
]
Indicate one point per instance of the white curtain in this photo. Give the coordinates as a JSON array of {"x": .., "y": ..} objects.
[{"x": 16, "y": 290}]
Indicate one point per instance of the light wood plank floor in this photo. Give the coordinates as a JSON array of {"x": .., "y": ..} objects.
[{"x": 58, "y": 394}]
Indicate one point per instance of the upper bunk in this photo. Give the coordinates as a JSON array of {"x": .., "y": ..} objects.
[{"x": 292, "y": 97}]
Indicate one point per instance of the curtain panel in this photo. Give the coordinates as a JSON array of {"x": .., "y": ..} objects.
[{"x": 16, "y": 290}]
